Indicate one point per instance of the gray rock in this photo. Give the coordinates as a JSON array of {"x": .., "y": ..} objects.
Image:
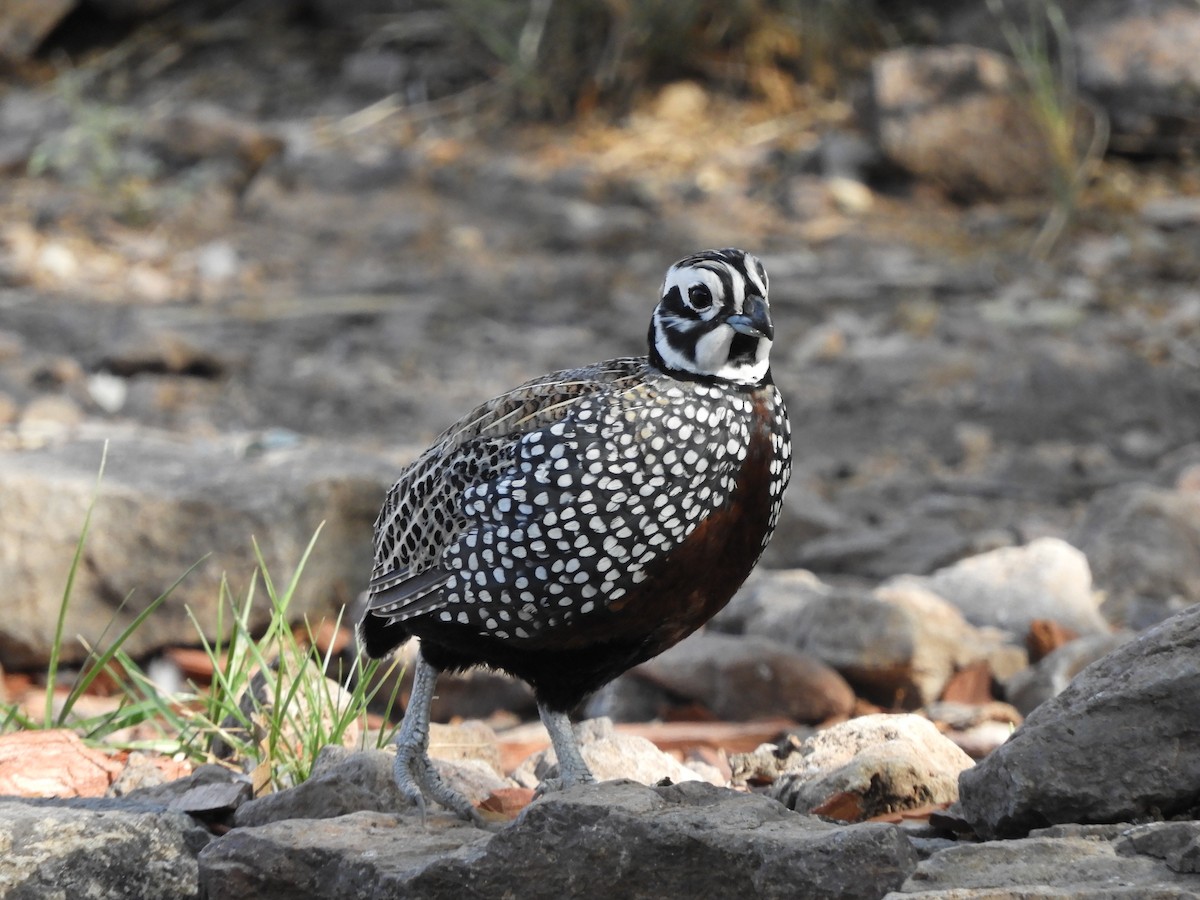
[
  {"x": 1143, "y": 543},
  {"x": 953, "y": 115},
  {"x": 342, "y": 782},
  {"x": 915, "y": 543},
  {"x": 165, "y": 505},
  {"x": 1118, "y": 744},
  {"x": 765, "y": 592},
  {"x": 897, "y": 647},
  {"x": 1141, "y": 65},
  {"x": 1031, "y": 687},
  {"x": 106, "y": 849},
  {"x": 869, "y": 766},
  {"x": 25, "y": 23},
  {"x": 1011, "y": 587},
  {"x": 172, "y": 793},
  {"x": 1137, "y": 61},
  {"x": 1086, "y": 865},
  {"x": 743, "y": 678},
  {"x": 602, "y": 840},
  {"x": 1171, "y": 213},
  {"x": 1177, "y": 843},
  {"x": 356, "y": 855}
]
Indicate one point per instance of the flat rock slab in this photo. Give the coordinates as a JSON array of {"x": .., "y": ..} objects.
[
  {"x": 1067, "y": 861},
  {"x": 604, "y": 840},
  {"x": 100, "y": 849}
]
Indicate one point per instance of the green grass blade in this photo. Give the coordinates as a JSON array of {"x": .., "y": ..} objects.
[
  {"x": 60, "y": 625},
  {"x": 98, "y": 664}
]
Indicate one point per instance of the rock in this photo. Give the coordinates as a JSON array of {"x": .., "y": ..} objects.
[
  {"x": 945, "y": 644},
  {"x": 25, "y": 23},
  {"x": 1065, "y": 861},
  {"x": 955, "y": 116},
  {"x": 1012, "y": 587},
  {"x": 172, "y": 793},
  {"x": 616, "y": 838},
  {"x": 1171, "y": 213},
  {"x": 1118, "y": 744},
  {"x": 1177, "y": 843},
  {"x": 350, "y": 855},
  {"x": 977, "y": 729},
  {"x": 53, "y": 763},
  {"x": 163, "y": 506},
  {"x": 765, "y": 591},
  {"x": 1068, "y": 862},
  {"x": 868, "y": 766},
  {"x": 1144, "y": 546},
  {"x": 898, "y": 647},
  {"x": 743, "y": 678},
  {"x": 1135, "y": 61},
  {"x": 1031, "y": 687},
  {"x": 97, "y": 848},
  {"x": 919, "y": 543},
  {"x": 144, "y": 770},
  {"x": 465, "y": 742},
  {"x": 342, "y": 782},
  {"x": 1139, "y": 63},
  {"x": 609, "y": 754}
]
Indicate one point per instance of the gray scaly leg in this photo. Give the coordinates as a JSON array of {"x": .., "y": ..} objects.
[
  {"x": 572, "y": 769},
  {"x": 415, "y": 775}
]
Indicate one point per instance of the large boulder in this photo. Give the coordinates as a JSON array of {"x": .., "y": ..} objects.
[
  {"x": 602, "y": 840},
  {"x": 98, "y": 848},
  {"x": 163, "y": 506},
  {"x": 1122, "y": 742}
]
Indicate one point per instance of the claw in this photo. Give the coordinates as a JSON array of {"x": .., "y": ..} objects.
[{"x": 416, "y": 778}]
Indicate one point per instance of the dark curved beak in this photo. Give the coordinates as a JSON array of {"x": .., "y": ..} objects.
[{"x": 754, "y": 319}]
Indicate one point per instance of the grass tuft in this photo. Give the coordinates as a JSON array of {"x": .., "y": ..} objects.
[
  {"x": 274, "y": 700},
  {"x": 1075, "y": 132}
]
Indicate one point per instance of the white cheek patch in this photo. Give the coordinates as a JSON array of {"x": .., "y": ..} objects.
[
  {"x": 712, "y": 350},
  {"x": 711, "y": 355}
]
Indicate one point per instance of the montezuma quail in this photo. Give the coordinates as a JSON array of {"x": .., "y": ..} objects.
[{"x": 587, "y": 520}]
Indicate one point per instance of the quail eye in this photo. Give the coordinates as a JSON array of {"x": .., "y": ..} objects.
[{"x": 700, "y": 297}]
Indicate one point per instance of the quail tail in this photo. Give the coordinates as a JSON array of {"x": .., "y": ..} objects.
[{"x": 415, "y": 775}]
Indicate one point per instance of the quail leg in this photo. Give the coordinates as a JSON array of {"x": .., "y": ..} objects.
[
  {"x": 416, "y": 777},
  {"x": 572, "y": 769}
]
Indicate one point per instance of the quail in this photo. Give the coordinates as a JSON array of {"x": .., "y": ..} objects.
[{"x": 589, "y": 519}]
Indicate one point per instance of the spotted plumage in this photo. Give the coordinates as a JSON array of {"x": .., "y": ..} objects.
[{"x": 589, "y": 519}]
